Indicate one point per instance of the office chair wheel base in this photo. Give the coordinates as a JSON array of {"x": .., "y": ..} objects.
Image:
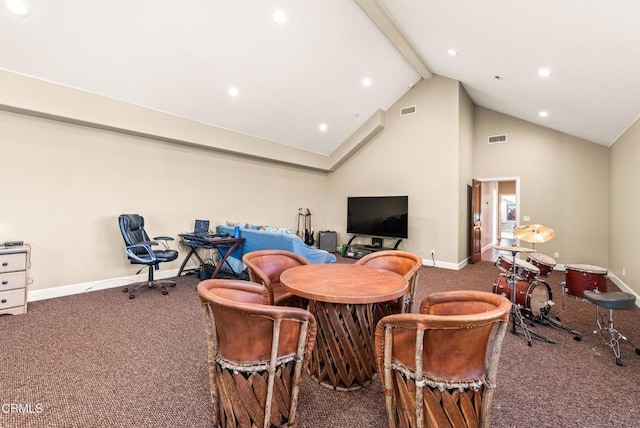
[
  {"x": 638, "y": 351},
  {"x": 132, "y": 296},
  {"x": 125, "y": 289},
  {"x": 577, "y": 338},
  {"x": 619, "y": 361},
  {"x": 173, "y": 285},
  {"x": 165, "y": 292}
]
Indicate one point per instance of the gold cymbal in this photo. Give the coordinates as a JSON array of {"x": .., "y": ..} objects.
[
  {"x": 513, "y": 249},
  {"x": 533, "y": 233}
]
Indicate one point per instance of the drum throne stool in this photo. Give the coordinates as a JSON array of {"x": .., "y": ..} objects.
[{"x": 611, "y": 300}]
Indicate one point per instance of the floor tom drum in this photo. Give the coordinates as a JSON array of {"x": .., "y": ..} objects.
[{"x": 580, "y": 278}]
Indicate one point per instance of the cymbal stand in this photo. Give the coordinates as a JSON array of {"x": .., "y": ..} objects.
[
  {"x": 563, "y": 290},
  {"x": 516, "y": 313}
]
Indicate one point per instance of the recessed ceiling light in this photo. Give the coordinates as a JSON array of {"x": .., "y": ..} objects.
[
  {"x": 279, "y": 17},
  {"x": 452, "y": 52},
  {"x": 366, "y": 82},
  {"x": 543, "y": 114},
  {"x": 323, "y": 127},
  {"x": 18, "y": 7},
  {"x": 233, "y": 91},
  {"x": 544, "y": 72}
]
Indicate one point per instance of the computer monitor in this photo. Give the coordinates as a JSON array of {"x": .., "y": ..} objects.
[{"x": 201, "y": 227}]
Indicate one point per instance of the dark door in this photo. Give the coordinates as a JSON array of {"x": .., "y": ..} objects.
[{"x": 476, "y": 223}]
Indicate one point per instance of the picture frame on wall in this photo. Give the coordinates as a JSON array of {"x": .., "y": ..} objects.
[{"x": 511, "y": 212}]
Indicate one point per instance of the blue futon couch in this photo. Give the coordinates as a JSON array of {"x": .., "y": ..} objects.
[{"x": 261, "y": 240}]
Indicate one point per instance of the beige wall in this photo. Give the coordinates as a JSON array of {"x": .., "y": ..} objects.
[
  {"x": 72, "y": 181},
  {"x": 65, "y": 186},
  {"x": 415, "y": 155},
  {"x": 69, "y": 183},
  {"x": 465, "y": 169},
  {"x": 563, "y": 183},
  {"x": 624, "y": 203}
]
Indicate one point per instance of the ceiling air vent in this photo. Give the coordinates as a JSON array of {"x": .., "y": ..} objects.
[
  {"x": 497, "y": 139},
  {"x": 407, "y": 110}
]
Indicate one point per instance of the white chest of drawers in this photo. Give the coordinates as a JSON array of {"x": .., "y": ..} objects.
[{"x": 13, "y": 280}]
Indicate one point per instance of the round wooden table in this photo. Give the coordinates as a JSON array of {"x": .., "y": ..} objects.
[{"x": 341, "y": 297}]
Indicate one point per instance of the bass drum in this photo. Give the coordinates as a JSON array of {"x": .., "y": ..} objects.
[{"x": 533, "y": 296}]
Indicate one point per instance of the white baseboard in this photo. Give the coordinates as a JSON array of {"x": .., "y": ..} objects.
[
  {"x": 85, "y": 287},
  {"x": 623, "y": 287},
  {"x": 445, "y": 265}
]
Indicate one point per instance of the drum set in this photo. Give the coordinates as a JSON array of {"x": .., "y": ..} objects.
[{"x": 523, "y": 283}]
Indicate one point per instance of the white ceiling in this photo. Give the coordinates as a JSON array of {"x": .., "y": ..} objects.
[
  {"x": 591, "y": 46},
  {"x": 181, "y": 58}
]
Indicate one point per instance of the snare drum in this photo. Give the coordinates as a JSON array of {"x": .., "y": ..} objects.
[
  {"x": 542, "y": 262},
  {"x": 581, "y": 278},
  {"x": 533, "y": 296},
  {"x": 524, "y": 270}
]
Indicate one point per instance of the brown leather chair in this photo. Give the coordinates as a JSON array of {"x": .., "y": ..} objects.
[
  {"x": 256, "y": 354},
  {"x": 434, "y": 366},
  {"x": 400, "y": 262},
  {"x": 265, "y": 267}
]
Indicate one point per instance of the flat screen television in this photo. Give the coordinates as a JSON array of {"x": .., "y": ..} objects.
[{"x": 383, "y": 216}]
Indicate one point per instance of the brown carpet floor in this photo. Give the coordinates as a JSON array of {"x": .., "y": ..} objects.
[{"x": 102, "y": 360}]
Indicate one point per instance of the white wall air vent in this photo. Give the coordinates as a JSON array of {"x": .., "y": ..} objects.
[
  {"x": 407, "y": 110},
  {"x": 497, "y": 139}
]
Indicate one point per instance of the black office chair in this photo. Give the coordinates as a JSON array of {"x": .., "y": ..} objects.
[{"x": 138, "y": 247}]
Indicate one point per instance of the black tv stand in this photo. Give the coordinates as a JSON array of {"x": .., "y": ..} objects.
[{"x": 357, "y": 251}]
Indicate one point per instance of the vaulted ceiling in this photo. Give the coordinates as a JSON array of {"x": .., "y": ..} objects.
[{"x": 312, "y": 79}]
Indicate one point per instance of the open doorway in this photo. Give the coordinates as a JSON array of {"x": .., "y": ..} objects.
[
  {"x": 507, "y": 216},
  {"x": 499, "y": 213}
]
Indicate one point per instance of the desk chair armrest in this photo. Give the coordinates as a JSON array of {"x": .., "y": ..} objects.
[
  {"x": 164, "y": 240},
  {"x": 146, "y": 245}
]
